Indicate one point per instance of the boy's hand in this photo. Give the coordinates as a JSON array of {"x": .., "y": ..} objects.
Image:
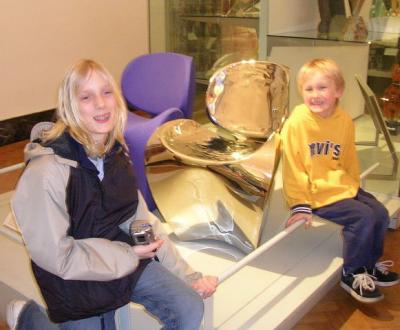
[
  {"x": 205, "y": 286},
  {"x": 298, "y": 217},
  {"x": 147, "y": 251}
]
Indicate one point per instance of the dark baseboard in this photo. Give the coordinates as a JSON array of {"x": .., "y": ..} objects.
[{"x": 17, "y": 129}]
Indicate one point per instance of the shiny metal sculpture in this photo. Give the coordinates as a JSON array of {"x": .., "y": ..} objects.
[{"x": 211, "y": 181}]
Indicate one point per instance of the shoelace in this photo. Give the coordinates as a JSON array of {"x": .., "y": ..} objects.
[
  {"x": 384, "y": 265},
  {"x": 364, "y": 281}
]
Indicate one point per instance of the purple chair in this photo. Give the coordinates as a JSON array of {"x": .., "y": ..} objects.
[{"x": 162, "y": 85}]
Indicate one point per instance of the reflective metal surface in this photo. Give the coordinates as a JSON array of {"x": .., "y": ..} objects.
[
  {"x": 195, "y": 144},
  {"x": 249, "y": 97},
  {"x": 212, "y": 182}
]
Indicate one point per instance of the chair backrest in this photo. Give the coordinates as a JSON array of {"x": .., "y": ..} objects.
[
  {"x": 158, "y": 81},
  {"x": 376, "y": 114}
]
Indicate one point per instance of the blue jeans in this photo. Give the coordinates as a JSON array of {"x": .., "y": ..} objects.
[
  {"x": 167, "y": 297},
  {"x": 163, "y": 294},
  {"x": 365, "y": 221},
  {"x": 34, "y": 317}
]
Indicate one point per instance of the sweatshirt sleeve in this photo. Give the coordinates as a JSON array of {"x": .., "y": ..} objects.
[
  {"x": 168, "y": 255},
  {"x": 296, "y": 185},
  {"x": 40, "y": 210}
]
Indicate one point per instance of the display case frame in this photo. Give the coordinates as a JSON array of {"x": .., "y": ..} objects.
[{"x": 214, "y": 38}]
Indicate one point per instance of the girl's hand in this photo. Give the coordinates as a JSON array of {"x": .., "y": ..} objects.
[
  {"x": 205, "y": 286},
  {"x": 148, "y": 251},
  {"x": 298, "y": 217}
]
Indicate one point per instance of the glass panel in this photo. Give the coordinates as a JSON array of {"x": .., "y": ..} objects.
[
  {"x": 383, "y": 149},
  {"x": 215, "y": 33}
]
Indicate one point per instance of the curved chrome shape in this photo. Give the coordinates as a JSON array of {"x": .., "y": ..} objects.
[
  {"x": 212, "y": 182},
  {"x": 249, "y": 97},
  {"x": 199, "y": 145}
]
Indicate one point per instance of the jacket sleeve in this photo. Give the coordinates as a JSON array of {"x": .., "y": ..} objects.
[
  {"x": 40, "y": 210},
  {"x": 296, "y": 185},
  {"x": 350, "y": 158},
  {"x": 168, "y": 255}
]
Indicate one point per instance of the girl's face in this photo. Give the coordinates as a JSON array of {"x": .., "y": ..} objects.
[
  {"x": 320, "y": 94},
  {"x": 97, "y": 105}
]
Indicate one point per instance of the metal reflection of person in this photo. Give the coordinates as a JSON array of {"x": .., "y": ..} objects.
[
  {"x": 244, "y": 96},
  {"x": 278, "y": 94},
  {"x": 244, "y": 100}
]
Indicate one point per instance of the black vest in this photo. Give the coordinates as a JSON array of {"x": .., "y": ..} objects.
[{"x": 96, "y": 209}]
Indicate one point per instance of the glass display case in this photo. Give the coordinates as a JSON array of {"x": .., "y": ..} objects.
[
  {"x": 214, "y": 32},
  {"x": 219, "y": 32},
  {"x": 384, "y": 78},
  {"x": 381, "y": 57}
]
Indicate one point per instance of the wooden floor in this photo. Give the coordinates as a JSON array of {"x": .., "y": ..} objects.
[
  {"x": 10, "y": 154},
  {"x": 337, "y": 310}
]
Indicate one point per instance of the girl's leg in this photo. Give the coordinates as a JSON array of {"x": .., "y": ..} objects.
[
  {"x": 103, "y": 322},
  {"x": 34, "y": 317},
  {"x": 167, "y": 297}
]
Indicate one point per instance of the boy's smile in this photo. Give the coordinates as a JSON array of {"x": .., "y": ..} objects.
[{"x": 320, "y": 94}]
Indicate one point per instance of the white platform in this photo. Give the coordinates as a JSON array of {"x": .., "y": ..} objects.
[
  {"x": 274, "y": 291},
  {"x": 268, "y": 293}
]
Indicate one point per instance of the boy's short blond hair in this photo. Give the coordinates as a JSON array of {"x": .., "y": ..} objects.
[{"x": 323, "y": 65}]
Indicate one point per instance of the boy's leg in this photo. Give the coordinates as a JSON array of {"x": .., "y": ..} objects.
[
  {"x": 358, "y": 221},
  {"x": 167, "y": 297},
  {"x": 380, "y": 270},
  {"x": 381, "y": 224},
  {"x": 358, "y": 224}
]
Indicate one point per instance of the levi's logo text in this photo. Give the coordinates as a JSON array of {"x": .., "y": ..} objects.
[{"x": 324, "y": 149}]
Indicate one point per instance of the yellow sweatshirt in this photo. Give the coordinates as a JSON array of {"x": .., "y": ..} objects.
[{"x": 320, "y": 164}]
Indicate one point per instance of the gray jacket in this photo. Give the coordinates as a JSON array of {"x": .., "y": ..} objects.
[{"x": 41, "y": 213}]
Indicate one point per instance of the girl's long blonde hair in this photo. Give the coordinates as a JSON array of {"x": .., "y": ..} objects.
[{"x": 68, "y": 114}]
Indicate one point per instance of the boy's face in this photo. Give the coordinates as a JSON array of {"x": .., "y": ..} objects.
[{"x": 320, "y": 94}]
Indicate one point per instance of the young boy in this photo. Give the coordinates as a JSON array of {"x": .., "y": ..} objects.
[{"x": 321, "y": 177}]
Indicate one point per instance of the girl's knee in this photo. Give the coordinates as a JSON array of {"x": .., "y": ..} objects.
[
  {"x": 196, "y": 304},
  {"x": 191, "y": 315}
]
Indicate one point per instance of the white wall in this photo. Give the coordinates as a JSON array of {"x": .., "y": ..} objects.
[
  {"x": 40, "y": 39},
  {"x": 292, "y": 15},
  {"x": 158, "y": 25}
]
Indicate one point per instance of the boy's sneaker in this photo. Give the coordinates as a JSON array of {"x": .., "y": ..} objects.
[
  {"x": 361, "y": 286},
  {"x": 383, "y": 276},
  {"x": 13, "y": 309}
]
